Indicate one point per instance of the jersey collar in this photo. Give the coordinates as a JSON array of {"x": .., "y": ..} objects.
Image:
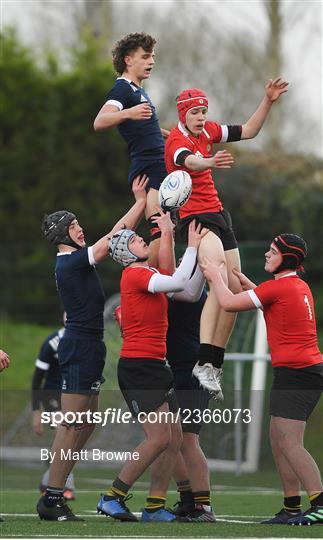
[{"x": 288, "y": 275}]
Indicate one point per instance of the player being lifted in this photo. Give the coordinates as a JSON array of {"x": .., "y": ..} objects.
[
  {"x": 189, "y": 147},
  {"x": 130, "y": 108}
]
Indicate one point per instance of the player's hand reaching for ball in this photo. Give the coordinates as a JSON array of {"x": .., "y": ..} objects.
[
  {"x": 143, "y": 111},
  {"x": 222, "y": 160}
]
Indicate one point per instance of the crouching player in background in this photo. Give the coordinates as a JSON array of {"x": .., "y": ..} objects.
[
  {"x": 183, "y": 342},
  {"x": 144, "y": 379},
  {"x": 288, "y": 308},
  {"x": 46, "y": 395}
]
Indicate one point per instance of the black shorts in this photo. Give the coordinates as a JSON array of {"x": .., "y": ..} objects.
[
  {"x": 81, "y": 364},
  {"x": 218, "y": 222},
  {"x": 295, "y": 392},
  {"x": 192, "y": 400},
  {"x": 146, "y": 384},
  {"x": 155, "y": 170}
]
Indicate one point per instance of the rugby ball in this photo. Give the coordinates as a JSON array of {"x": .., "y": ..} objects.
[{"x": 175, "y": 190}]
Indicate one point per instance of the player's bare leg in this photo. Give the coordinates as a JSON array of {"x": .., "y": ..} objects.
[
  {"x": 290, "y": 482},
  {"x": 208, "y": 375},
  {"x": 226, "y": 320},
  {"x": 288, "y": 436},
  {"x": 70, "y": 438},
  {"x": 162, "y": 467}
]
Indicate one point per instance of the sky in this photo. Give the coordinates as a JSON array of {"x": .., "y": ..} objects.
[{"x": 302, "y": 43}]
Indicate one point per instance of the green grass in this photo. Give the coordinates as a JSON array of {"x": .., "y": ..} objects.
[{"x": 239, "y": 507}]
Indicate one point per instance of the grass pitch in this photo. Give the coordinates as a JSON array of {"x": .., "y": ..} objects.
[{"x": 239, "y": 508}]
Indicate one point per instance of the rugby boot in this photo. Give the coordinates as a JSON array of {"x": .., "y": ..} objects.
[
  {"x": 202, "y": 514},
  {"x": 115, "y": 508},
  {"x": 281, "y": 518},
  {"x": 163, "y": 514},
  {"x": 209, "y": 378},
  {"x": 60, "y": 511},
  {"x": 181, "y": 509},
  {"x": 312, "y": 516}
]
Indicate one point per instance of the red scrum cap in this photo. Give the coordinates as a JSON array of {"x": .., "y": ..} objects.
[{"x": 190, "y": 99}]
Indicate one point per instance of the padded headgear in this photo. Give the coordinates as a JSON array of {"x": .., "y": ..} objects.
[
  {"x": 55, "y": 228},
  {"x": 119, "y": 248},
  {"x": 293, "y": 249},
  {"x": 190, "y": 99}
]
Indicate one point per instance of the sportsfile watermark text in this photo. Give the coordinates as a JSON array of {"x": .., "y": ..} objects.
[{"x": 112, "y": 415}]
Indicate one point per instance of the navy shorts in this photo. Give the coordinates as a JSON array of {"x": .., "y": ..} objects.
[
  {"x": 192, "y": 400},
  {"x": 155, "y": 170},
  {"x": 146, "y": 384},
  {"x": 295, "y": 392},
  {"x": 219, "y": 223},
  {"x": 81, "y": 365}
]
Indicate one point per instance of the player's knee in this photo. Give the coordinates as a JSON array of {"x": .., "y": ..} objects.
[{"x": 162, "y": 438}]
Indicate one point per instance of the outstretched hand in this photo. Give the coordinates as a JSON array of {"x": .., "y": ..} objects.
[
  {"x": 274, "y": 88},
  {"x": 139, "y": 187},
  {"x": 223, "y": 160}
]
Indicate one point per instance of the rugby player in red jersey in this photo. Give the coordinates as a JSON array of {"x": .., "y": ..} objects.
[
  {"x": 189, "y": 147},
  {"x": 144, "y": 378},
  {"x": 288, "y": 308}
]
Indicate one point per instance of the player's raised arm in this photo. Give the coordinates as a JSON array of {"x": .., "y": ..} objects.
[
  {"x": 130, "y": 220},
  {"x": 227, "y": 300},
  {"x": 274, "y": 89},
  {"x": 110, "y": 115},
  {"x": 166, "y": 255}
]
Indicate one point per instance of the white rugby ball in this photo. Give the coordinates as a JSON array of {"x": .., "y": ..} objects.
[{"x": 175, "y": 190}]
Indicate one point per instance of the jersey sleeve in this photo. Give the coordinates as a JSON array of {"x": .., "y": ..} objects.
[
  {"x": 138, "y": 279},
  {"x": 265, "y": 294},
  {"x": 45, "y": 356},
  {"x": 120, "y": 96},
  {"x": 82, "y": 258},
  {"x": 223, "y": 133},
  {"x": 178, "y": 150}
]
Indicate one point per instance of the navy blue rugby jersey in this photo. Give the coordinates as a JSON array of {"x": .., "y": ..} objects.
[
  {"x": 48, "y": 361},
  {"x": 183, "y": 337},
  {"x": 143, "y": 137},
  {"x": 81, "y": 292}
]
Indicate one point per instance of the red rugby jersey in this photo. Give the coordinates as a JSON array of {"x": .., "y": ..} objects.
[
  {"x": 290, "y": 320},
  {"x": 144, "y": 315},
  {"x": 204, "y": 197}
]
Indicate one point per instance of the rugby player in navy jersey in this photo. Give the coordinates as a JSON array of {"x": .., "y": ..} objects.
[
  {"x": 81, "y": 351},
  {"x": 183, "y": 342},
  {"x": 288, "y": 307},
  {"x": 130, "y": 109},
  {"x": 46, "y": 394}
]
